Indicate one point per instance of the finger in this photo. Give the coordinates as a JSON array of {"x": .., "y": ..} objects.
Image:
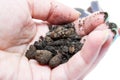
[
  {"x": 101, "y": 27},
  {"x": 78, "y": 64},
  {"x": 94, "y": 40},
  {"x": 85, "y": 25},
  {"x": 52, "y": 11},
  {"x": 119, "y": 31},
  {"x": 106, "y": 45},
  {"x": 102, "y": 52},
  {"x": 104, "y": 48}
]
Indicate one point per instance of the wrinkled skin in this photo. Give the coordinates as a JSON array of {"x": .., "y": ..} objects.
[{"x": 18, "y": 31}]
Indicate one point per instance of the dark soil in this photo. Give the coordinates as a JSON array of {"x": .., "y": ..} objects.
[{"x": 59, "y": 45}]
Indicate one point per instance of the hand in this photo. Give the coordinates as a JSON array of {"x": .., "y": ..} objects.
[{"x": 18, "y": 30}]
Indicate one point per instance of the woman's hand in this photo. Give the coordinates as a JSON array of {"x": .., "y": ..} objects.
[{"x": 19, "y": 30}]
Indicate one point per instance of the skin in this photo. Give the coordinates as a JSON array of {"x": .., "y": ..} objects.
[
  {"x": 19, "y": 30},
  {"x": 119, "y": 31}
]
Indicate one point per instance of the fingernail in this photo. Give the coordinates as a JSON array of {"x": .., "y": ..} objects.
[
  {"x": 105, "y": 16},
  {"x": 113, "y": 27},
  {"x": 106, "y": 35},
  {"x": 116, "y": 34},
  {"x": 83, "y": 13},
  {"x": 79, "y": 13}
]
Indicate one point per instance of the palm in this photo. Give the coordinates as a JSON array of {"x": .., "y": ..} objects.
[
  {"x": 16, "y": 65},
  {"x": 19, "y": 31}
]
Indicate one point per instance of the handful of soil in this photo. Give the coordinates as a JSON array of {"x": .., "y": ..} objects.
[
  {"x": 57, "y": 47},
  {"x": 62, "y": 41}
]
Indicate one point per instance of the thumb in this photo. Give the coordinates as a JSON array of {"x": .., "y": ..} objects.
[{"x": 52, "y": 11}]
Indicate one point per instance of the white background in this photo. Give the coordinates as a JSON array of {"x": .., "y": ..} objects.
[{"x": 109, "y": 66}]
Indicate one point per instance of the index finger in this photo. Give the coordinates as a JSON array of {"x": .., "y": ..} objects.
[{"x": 87, "y": 24}]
